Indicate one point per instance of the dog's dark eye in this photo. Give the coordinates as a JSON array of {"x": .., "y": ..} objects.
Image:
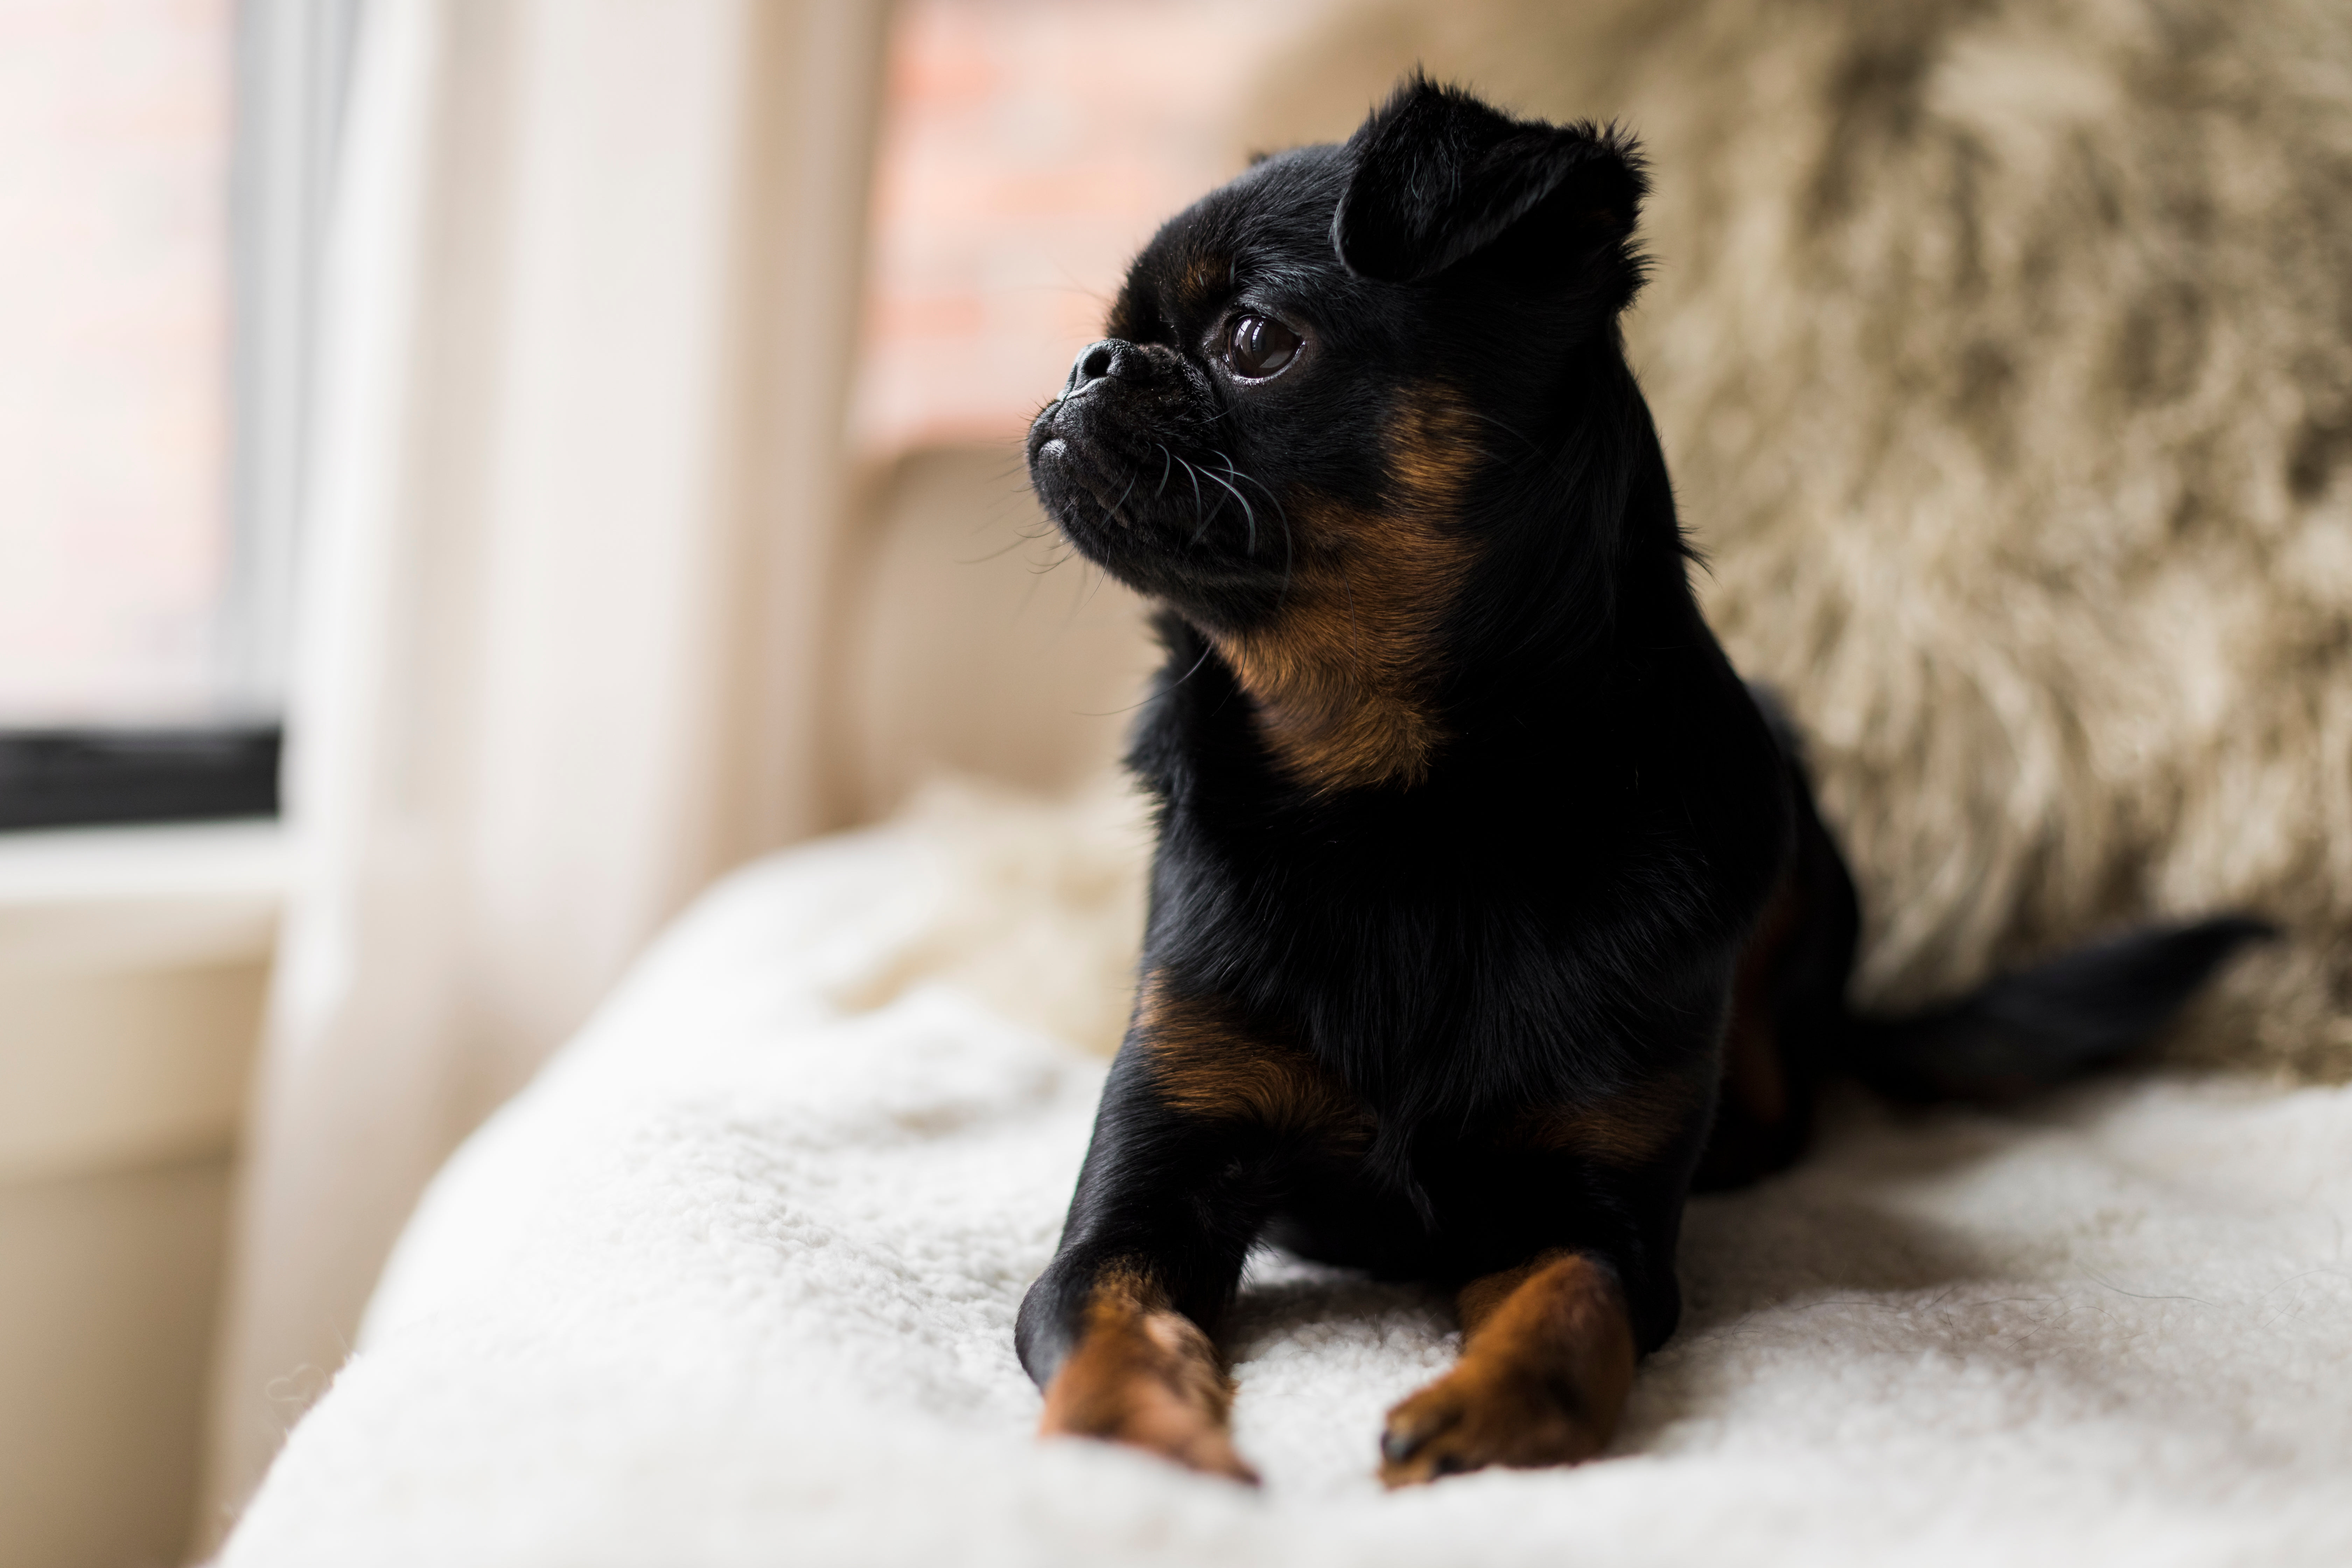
[{"x": 1258, "y": 346}]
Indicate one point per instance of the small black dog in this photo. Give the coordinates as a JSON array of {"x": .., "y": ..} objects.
[{"x": 1491, "y": 912}]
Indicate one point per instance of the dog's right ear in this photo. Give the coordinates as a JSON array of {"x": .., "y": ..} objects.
[{"x": 1440, "y": 176}]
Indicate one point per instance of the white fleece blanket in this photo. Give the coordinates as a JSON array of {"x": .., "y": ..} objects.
[{"x": 734, "y": 1283}]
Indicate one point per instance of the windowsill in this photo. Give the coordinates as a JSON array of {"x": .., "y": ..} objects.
[
  {"x": 133, "y": 964},
  {"x": 147, "y": 896}
]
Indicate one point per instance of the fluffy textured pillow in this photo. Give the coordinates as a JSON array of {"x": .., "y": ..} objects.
[{"x": 2000, "y": 352}]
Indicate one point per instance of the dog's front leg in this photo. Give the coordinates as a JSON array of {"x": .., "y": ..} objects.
[
  {"x": 1547, "y": 1356},
  {"x": 1115, "y": 1330}
]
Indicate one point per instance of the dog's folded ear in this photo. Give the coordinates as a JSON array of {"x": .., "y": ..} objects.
[{"x": 1439, "y": 177}]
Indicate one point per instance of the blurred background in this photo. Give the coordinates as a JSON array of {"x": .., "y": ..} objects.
[
  {"x": 421, "y": 268},
  {"x": 473, "y": 472}
]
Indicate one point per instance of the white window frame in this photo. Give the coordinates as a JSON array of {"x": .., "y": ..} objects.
[{"x": 293, "y": 75}]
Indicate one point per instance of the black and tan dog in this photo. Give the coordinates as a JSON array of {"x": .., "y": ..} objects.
[{"x": 1490, "y": 911}]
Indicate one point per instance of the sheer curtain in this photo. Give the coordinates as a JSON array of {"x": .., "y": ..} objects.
[{"x": 590, "y": 303}]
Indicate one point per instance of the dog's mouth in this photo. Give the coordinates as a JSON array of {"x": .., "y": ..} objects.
[{"x": 1130, "y": 472}]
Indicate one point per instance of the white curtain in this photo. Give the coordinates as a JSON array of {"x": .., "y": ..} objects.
[{"x": 590, "y": 310}]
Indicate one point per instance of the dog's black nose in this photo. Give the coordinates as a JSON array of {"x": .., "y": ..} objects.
[{"x": 1110, "y": 358}]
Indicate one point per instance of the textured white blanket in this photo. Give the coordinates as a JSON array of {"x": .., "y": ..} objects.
[{"x": 734, "y": 1283}]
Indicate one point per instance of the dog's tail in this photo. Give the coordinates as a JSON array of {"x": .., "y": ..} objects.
[{"x": 2032, "y": 1027}]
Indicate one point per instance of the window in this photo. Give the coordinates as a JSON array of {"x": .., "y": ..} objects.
[{"x": 164, "y": 172}]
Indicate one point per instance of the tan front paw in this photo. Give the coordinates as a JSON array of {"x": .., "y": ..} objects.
[
  {"x": 1148, "y": 1415},
  {"x": 1150, "y": 1380},
  {"x": 1490, "y": 1413}
]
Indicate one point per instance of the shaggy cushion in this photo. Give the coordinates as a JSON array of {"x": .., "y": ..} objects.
[
  {"x": 2000, "y": 352},
  {"x": 733, "y": 1283}
]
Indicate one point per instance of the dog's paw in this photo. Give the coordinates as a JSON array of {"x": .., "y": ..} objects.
[
  {"x": 1151, "y": 1383},
  {"x": 1148, "y": 1415},
  {"x": 1489, "y": 1411}
]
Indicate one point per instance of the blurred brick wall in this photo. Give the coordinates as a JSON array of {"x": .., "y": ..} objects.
[
  {"x": 114, "y": 133},
  {"x": 1030, "y": 147}
]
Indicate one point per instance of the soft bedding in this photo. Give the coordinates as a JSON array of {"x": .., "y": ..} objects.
[{"x": 733, "y": 1283}]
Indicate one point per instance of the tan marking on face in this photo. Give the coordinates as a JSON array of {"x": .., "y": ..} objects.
[
  {"x": 1206, "y": 280},
  {"x": 1622, "y": 1130},
  {"x": 1344, "y": 678},
  {"x": 1144, "y": 1374},
  {"x": 1547, "y": 1361},
  {"x": 1205, "y": 1063}
]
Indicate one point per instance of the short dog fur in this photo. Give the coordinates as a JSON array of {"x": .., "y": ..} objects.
[{"x": 1490, "y": 911}]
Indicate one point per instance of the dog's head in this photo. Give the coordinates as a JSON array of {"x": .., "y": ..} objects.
[{"x": 1340, "y": 394}]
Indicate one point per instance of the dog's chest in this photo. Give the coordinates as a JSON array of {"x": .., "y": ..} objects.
[{"x": 1416, "y": 973}]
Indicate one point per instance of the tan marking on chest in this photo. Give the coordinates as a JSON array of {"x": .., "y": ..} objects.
[{"x": 1345, "y": 676}]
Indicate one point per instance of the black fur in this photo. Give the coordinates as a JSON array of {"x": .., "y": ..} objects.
[
  {"x": 2024, "y": 1030},
  {"x": 1551, "y": 914}
]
